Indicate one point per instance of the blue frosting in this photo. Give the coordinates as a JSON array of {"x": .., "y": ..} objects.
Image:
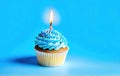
[{"x": 51, "y": 40}]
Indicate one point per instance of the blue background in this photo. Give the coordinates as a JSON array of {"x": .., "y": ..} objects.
[{"x": 92, "y": 28}]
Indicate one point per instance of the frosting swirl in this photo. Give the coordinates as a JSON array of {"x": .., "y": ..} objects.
[{"x": 51, "y": 40}]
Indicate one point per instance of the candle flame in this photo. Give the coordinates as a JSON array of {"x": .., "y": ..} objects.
[{"x": 51, "y": 16}]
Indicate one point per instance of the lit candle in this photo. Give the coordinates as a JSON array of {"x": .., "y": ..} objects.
[{"x": 51, "y": 19}]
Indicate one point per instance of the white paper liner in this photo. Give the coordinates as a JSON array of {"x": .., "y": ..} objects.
[{"x": 51, "y": 59}]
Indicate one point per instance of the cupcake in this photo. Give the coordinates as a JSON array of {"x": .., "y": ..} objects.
[{"x": 51, "y": 48}]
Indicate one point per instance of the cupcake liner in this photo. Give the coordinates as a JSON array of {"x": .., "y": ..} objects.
[{"x": 51, "y": 59}]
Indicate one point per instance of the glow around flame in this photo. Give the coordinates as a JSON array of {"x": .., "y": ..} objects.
[{"x": 51, "y": 16}]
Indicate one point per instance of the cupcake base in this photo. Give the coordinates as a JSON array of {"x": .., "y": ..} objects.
[{"x": 51, "y": 57}]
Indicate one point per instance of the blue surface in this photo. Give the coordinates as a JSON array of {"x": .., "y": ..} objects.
[{"x": 92, "y": 28}]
